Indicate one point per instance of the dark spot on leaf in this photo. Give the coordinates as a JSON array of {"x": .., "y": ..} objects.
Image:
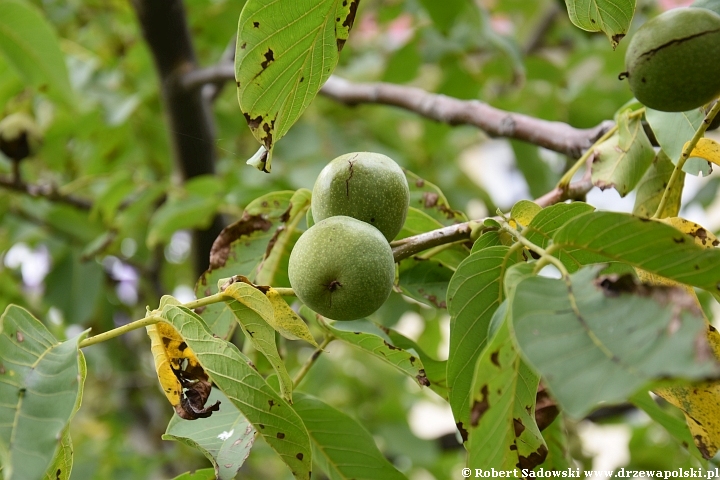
[
  {"x": 269, "y": 58},
  {"x": 280, "y": 435},
  {"x": 463, "y": 432},
  {"x": 513, "y": 447},
  {"x": 182, "y": 346},
  {"x": 261, "y": 425},
  {"x": 430, "y": 199},
  {"x": 494, "y": 358},
  {"x": 479, "y": 407},
  {"x": 245, "y": 227},
  {"x": 271, "y": 403},
  {"x": 242, "y": 47},
  {"x": 412, "y": 361},
  {"x": 302, "y": 79},
  {"x": 299, "y": 456},
  {"x": 679, "y": 240},
  {"x": 422, "y": 378},
  {"x": 518, "y": 427},
  {"x": 419, "y": 183},
  {"x": 534, "y": 459},
  {"x": 256, "y": 24},
  {"x": 253, "y": 123},
  {"x": 166, "y": 341},
  {"x": 238, "y": 84},
  {"x": 252, "y": 365},
  {"x": 702, "y": 447},
  {"x": 710, "y": 327},
  {"x": 390, "y": 346}
]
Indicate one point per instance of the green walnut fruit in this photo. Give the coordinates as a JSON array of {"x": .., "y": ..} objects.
[
  {"x": 673, "y": 60},
  {"x": 368, "y": 186},
  {"x": 342, "y": 268}
]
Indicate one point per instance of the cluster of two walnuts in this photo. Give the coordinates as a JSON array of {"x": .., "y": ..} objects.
[{"x": 342, "y": 267}]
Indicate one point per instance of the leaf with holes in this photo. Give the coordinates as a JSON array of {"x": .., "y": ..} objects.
[
  {"x": 225, "y": 438},
  {"x": 41, "y": 383},
  {"x": 232, "y": 373},
  {"x": 616, "y": 332},
  {"x": 611, "y": 17},
  {"x": 341, "y": 446},
  {"x": 286, "y": 50}
]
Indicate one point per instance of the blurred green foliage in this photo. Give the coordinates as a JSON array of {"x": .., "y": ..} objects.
[{"x": 111, "y": 147}]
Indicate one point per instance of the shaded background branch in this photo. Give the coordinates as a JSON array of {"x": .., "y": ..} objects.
[{"x": 191, "y": 126}]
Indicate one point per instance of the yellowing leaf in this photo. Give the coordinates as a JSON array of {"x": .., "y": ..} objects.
[
  {"x": 524, "y": 211},
  {"x": 699, "y": 403},
  {"x": 707, "y": 149},
  {"x": 286, "y": 322},
  {"x": 182, "y": 378},
  {"x": 254, "y": 313}
]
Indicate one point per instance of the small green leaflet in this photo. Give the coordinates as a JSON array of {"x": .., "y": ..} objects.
[
  {"x": 612, "y": 17},
  {"x": 286, "y": 50}
]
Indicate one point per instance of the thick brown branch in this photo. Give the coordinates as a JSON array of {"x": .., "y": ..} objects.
[
  {"x": 165, "y": 29},
  {"x": 556, "y": 136},
  {"x": 45, "y": 191}
]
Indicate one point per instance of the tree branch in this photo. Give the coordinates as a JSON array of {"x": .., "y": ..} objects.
[
  {"x": 191, "y": 126},
  {"x": 49, "y": 192},
  {"x": 557, "y": 136}
]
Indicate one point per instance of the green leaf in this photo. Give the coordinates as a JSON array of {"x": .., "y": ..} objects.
[
  {"x": 286, "y": 50},
  {"x": 425, "y": 281},
  {"x": 672, "y": 130},
  {"x": 652, "y": 186},
  {"x": 612, "y": 17},
  {"x": 251, "y": 308},
  {"x": 443, "y": 14},
  {"x": 41, "y": 384},
  {"x": 428, "y": 198},
  {"x": 558, "y": 457},
  {"x": 474, "y": 293},
  {"x": 342, "y": 447},
  {"x": 230, "y": 370},
  {"x": 623, "y": 158},
  {"x": 675, "y": 426},
  {"x": 30, "y": 45},
  {"x": 239, "y": 250},
  {"x": 284, "y": 239},
  {"x": 600, "y": 339},
  {"x": 191, "y": 211},
  {"x": 435, "y": 370},
  {"x": 369, "y": 337},
  {"x": 491, "y": 238},
  {"x": 62, "y": 463},
  {"x": 285, "y": 321},
  {"x": 502, "y": 431},
  {"x": 650, "y": 245},
  {"x": 204, "y": 474},
  {"x": 547, "y": 222},
  {"x": 74, "y": 287},
  {"x": 225, "y": 437}
]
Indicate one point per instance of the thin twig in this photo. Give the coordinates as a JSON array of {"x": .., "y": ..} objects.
[
  {"x": 44, "y": 191},
  {"x": 116, "y": 332},
  {"x": 311, "y": 361}
]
